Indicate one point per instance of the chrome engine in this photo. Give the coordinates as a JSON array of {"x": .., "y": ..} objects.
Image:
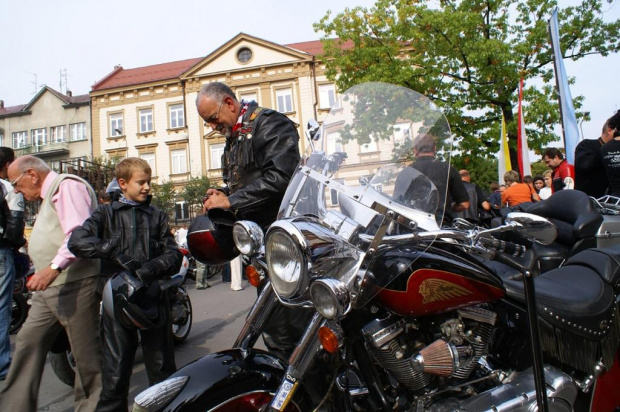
[
  {"x": 415, "y": 363},
  {"x": 398, "y": 346}
]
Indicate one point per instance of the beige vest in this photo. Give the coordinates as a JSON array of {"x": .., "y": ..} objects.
[{"x": 47, "y": 237}]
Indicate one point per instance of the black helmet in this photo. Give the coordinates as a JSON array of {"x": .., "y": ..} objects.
[
  {"x": 210, "y": 238},
  {"x": 132, "y": 303}
]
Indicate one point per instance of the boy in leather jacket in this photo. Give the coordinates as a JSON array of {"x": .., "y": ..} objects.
[{"x": 131, "y": 234}]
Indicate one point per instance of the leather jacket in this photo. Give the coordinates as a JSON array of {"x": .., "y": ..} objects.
[
  {"x": 259, "y": 163},
  {"x": 140, "y": 232}
]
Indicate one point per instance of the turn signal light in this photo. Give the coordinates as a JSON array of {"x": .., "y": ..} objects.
[
  {"x": 252, "y": 275},
  {"x": 328, "y": 339}
]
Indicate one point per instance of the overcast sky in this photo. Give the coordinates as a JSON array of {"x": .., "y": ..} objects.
[{"x": 88, "y": 37}]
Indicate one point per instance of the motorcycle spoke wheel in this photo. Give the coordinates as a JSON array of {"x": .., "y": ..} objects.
[
  {"x": 181, "y": 329},
  {"x": 19, "y": 311},
  {"x": 252, "y": 402}
]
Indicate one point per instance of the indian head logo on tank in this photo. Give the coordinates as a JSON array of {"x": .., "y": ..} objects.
[{"x": 433, "y": 290}]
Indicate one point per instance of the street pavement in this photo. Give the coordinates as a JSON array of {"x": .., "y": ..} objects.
[{"x": 219, "y": 313}]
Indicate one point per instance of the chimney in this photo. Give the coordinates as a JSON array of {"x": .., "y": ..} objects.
[
  {"x": 1, "y": 104},
  {"x": 69, "y": 93},
  {"x": 118, "y": 66}
]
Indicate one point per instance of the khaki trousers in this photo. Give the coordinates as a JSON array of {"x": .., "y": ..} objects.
[{"x": 74, "y": 306}]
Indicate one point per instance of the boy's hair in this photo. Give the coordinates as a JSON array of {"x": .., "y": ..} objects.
[
  {"x": 511, "y": 176},
  {"x": 126, "y": 167}
]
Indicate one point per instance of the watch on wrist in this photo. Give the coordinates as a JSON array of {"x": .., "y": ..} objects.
[{"x": 55, "y": 267}]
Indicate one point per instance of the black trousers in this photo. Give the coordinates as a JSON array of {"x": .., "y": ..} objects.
[{"x": 119, "y": 351}]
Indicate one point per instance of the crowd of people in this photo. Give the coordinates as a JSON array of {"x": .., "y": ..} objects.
[{"x": 88, "y": 249}]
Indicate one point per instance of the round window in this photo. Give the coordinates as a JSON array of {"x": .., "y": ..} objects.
[{"x": 244, "y": 55}]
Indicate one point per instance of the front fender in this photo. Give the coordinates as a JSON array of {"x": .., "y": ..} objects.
[{"x": 223, "y": 375}]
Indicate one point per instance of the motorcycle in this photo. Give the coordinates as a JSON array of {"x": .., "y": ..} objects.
[
  {"x": 61, "y": 357},
  {"x": 409, "y": 316}
]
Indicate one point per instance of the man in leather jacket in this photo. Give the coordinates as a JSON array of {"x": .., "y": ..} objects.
[
  {"x": 260, "y": 156},
  {"x": 11, "y": 238}
]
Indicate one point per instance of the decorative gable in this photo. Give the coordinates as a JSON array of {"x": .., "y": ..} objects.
[{"x": 246, "y": 52}]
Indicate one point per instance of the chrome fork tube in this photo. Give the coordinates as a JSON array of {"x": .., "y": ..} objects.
[
  {"x": 257, "y": 318},
  {"x": 300, "y": 361}
]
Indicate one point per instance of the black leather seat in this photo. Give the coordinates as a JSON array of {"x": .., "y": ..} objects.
[
  {"x": 604, "y": 261},
  {"x": 573, "y": 298}
]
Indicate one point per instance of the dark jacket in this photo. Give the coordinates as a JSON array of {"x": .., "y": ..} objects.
[
  {"x": 140, "y": 232},
  {"x": 259, "y": 163},
  {"x": 11, "y": 217},
  {"x": 590, "y": 174}
]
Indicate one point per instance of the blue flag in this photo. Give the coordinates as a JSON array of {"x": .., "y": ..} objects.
[{"x": 570, "y": 129}]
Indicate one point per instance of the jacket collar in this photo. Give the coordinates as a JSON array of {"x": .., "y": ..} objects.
[{"x": 144, "y": 206}]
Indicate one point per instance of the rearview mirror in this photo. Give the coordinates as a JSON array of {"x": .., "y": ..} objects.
[{"x": 533, "y": 227}]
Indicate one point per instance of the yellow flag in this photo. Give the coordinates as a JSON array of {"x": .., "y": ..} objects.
[{"x": 504, "y": 154}]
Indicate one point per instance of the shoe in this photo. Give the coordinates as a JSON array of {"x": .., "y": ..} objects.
[
  {"x": 203, "y": 287},
  {"x": 237, "y": 289}
]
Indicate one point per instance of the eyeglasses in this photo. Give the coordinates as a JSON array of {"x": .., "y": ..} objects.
[
  {"x": 14, "y": 182},
  {"x": 215, "y": 118}
]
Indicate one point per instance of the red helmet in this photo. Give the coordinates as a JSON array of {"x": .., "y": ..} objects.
[{"x": 210, "y": 238}]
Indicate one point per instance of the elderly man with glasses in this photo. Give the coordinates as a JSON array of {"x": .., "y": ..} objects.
[
  {"x": 260, "y": 156},
  {"x": 68, "y": 289}
]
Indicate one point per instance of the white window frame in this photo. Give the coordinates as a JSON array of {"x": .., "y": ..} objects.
[
  {"x": 116, "y": 124},
  {"x": 145, "y": 117},
  {"x": 370, "y": 147},
  {"x": 20, "y": 139},
  {"x": 177, "y": 115},
  {"x": 248, "y": 96},
  {"x": 77, "y": 131},
  {"x": 58, "y": 134},
  {"x": 39, "y": 137},
  {"x": 150, "y": 159},
  {"x": 183, "y": 206},
  {"x": 334, "y": 143},
  {"x": 284, "y": 100},
  {"x": 216, "y": 152},
  {"x": 178, "y": 161},
  {"x": 327, "y": 96}
]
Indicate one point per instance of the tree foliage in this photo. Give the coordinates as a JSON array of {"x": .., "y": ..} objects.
[
  {"x": 194, "y": 191},
  {"x": 164, "y": 197},
  {"x": 468, "y": 56}
]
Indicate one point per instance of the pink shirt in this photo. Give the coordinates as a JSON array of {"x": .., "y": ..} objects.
[{"x": 72, "y": 203}]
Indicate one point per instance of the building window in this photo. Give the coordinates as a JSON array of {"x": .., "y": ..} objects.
[
  {"x": 150, "y": 159},
  {"x": 369, "y": 147},
  {"x": 116, "y": 125},
  {"x": 217, "y": 150},
  {"x": 55, "y": 165},
  {"x": 146, "y": 120},
  {"x": 244, "y": 55},
  {"x": 181, "y": 211},
  {"x": 39, "y": 137},
  {"x": 20, "y": 139},
  {"x": 177, "y": 116},
  {"x": 59, "y": 134},
  {"x": 284, "y": 99},
  {"x": 1, "y": 137},
  {"x": 77, "y": 131},
  {"x": 334, "y": 143},
  {"x": 179, "y": 161},
  {"x": 327, "y": 96},
  {"x": 249, "y": 96}
]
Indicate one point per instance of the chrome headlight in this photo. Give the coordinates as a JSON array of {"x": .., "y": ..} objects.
[
  {"x": 285, "y": 262},
  {"x": 248, "y": 237},
  {"x": 158, "y": 396},
  {"x": 330, "y": 298}
]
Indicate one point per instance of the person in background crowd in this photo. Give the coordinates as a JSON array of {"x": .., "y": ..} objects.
[
  {"x": 563, "y": 172},
  {"x": 260, "y": 157},
  {"x": 539, "y": 183},
  {"x": 517, "y": 193},
  {"x": 546, "y": 191},
  {"x": 181, "y": 236},
  {"x": 495, "y": 198},
  {"x": 236, "y": 273},
  {"x": 590, "y": 174},
  {"x": 68, "y": 290},
  {"x": 477, "y": 200},
  {"x": 131, "y": 235},
  {"x": 103, "y": 197},
  {"x": 529, "y": 180},
  {"x": 201, "y": 276},
  {"x": 610, "y": 153},
  {"x": 11, "y": 238}
]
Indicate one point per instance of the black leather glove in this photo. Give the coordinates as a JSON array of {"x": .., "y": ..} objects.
[
  {"x": 127, "y": 263},
  {"x": 145, "y": 274}
]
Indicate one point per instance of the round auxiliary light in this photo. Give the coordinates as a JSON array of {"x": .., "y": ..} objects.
[
  {"x": 248, "y": 237},
  {"x": 330, "y": 298}
]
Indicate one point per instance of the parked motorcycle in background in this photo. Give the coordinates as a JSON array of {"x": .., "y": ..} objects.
[
  {"x": 61, "y": 357},
  {"x": 409, "y": 316},
  {"x": 21, "y": 294}
]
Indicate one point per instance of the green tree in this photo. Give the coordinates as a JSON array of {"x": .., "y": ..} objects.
[
  {"x": 164, "y": 197},
  {"x": 194, "y": 192},
  {"x": 468, "y": 56}
]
